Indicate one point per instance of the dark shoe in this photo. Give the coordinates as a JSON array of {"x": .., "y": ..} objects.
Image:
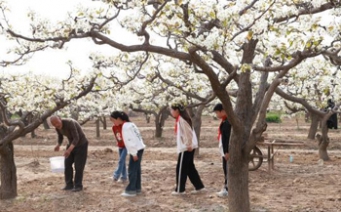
[
  {"x": 67, "y": 188},
  {"x": 77, "y": 189}
]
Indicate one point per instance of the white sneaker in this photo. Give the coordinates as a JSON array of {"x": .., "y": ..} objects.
[
  {"x": 125, "y": 194},
  {"x": 175, "y": 193},
  {"x": 121, "y": 180},
  {"x": 198, "y": 191},
  {"x": 223, "y": 193}
]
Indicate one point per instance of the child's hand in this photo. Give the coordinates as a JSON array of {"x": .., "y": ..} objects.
[
  {"x": 227, "y": 156},
  {"x": 135, "y": 158},
  {"x": 189, "y": 148}
]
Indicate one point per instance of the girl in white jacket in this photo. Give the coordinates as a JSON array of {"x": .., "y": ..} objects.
[
  {"x": 186, "y": 144},
  {"x": 135, "y": 146}
]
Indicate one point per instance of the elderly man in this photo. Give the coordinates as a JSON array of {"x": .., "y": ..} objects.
[{"x": 76, "y": 151}]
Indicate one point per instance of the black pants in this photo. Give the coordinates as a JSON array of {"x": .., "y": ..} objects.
[
  {"x": 134, "y": 173},
  {"x": 184, "y": 168},
  {"x": 225, "y": 168},
  {"x": 78, "y": 157}
]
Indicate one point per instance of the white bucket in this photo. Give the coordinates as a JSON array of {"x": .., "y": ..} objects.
[{"x": 57, "y": 164}]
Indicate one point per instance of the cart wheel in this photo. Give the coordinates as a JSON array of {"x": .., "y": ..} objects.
[{"x": 256, "y": 159}]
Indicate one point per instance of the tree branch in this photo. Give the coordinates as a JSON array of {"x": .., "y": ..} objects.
[
  {"x": 23, "y": 130},
  {"x": 322, "y": 8}
]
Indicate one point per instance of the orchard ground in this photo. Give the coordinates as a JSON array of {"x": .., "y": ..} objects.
[{"x": 301, "y": 185}]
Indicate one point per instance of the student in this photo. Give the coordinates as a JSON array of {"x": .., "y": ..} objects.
[
  {"x": 186, "y": 144},
  {"x": 224, "y": 140},
  {"x": 135, "y": 146},
  {"x": 120, "y": 174},
  {"x": 76, "y": 151}
]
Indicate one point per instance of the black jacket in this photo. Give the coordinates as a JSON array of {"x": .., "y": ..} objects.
[{"x": 225, "y": 130}]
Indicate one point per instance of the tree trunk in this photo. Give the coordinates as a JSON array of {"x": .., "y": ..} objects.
[
  {"x": 197, "y": 128},
  {"x": 97, "y": 128},
  {"x": 158, "y": 130},
  {"x": 323, "y": 154},
  {"x": 158, "y": 127},
  {"x": 313, "y": 126},
  {"x": 160, "y": 119},
  {"x": 323, "y": 142},
  {"x": 238, "y": 181},
  {"x": 33, "y": 134},
  {"x": 238, "y": 170},
  {"x": 196, "y": 114},
  {"x": 147, "y": 116},
  {"x": 104, "y": 121},
  {"x": 46, "y": 125},
  {"x": 8, "y": 171}
]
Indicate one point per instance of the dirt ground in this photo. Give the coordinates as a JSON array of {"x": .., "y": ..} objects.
[{"x": 304, "y": 184}]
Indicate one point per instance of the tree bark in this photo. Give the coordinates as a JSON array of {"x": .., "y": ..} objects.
[
  {"x": 313, "y": 126},
  {"x": 46, "y": 125},
  {"x": 323, "y": 154},
  {"x": 323, "y": 143},
  {"x": 104, "y": 122},
  {"x": 98, "y": 134},
  {"x": 238, "y": 181},
  {"x": 147, "y": 116},
  {"x": 238, "y": 170},
  {"x": 33, "y": 134},
  {"x": 158, "y": 127},
  {"x": 8, "y": 171},
  {"x": 160, "y": 119},
  {"x": 197, "y": 122}
]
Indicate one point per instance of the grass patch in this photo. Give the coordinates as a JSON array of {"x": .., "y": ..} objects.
[{"x": 273, "y": 118}]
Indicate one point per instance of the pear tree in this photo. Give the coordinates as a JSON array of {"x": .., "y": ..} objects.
[{"x": 246, "y": 39}]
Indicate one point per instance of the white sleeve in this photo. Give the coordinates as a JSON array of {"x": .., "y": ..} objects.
[
  {"x": 130, "y": 139},
  {"x": 186, "y": 133}
]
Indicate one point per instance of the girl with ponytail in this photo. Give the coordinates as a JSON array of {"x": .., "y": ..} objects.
[{"x": 186, "y": 144}]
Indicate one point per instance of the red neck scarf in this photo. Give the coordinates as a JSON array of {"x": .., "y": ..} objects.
[
  {"x": 176, "y": 124},
  {"x": 222, "y": 120},
  {"x": 121, "y": 127}
]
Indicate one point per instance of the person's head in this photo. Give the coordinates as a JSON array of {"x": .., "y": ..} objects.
[
  {"x": 119, "y": 117},
  {"x": 56, "y": 121},
  {"x": 219, "y": 110},
  {"x": 178, "y": 109}
]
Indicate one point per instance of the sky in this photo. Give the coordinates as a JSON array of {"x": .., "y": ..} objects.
[{"x": 51, "y": 62}]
